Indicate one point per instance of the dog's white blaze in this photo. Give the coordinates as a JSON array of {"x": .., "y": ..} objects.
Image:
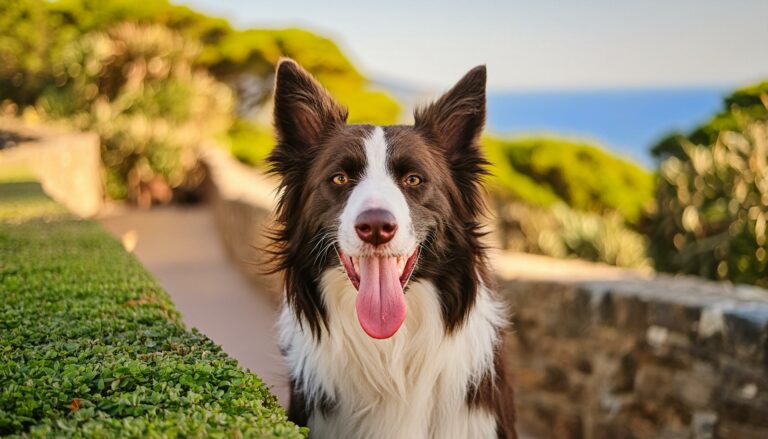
[
  {"x": 377, "y": 189},
  {"x": 411, "y": 385}
]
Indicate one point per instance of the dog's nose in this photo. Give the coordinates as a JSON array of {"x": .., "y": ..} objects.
[{"x": 376, "y": 226}]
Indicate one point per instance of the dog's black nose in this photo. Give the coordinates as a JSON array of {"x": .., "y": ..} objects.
[{"x": 376, "y": 226}]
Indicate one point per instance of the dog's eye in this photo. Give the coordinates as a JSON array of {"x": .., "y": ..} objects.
[
  {"x": 412, "y": 180},
  {"x": 340, "y": 179}
]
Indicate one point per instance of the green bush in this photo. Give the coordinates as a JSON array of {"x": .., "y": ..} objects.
[
  {"x": 564, "y": 199},
  {"x": 712, "y": 207},
  {"x": 137, "y": 88},
  {"x": 80, "y": 59},
  {"x": 33, "y": 32},
  {"x": 90, "y": 346},
  {"x": 250, "y": 143},
  {"x": 228, "y": 53},
  {"x": 543, "y": 172},
  {"x": 25, "y": 40},
  {"x": 562, "y": 232},
  {"x": 748, "y": 102}
]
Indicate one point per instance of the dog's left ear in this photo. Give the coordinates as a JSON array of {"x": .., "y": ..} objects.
[
  {"x": 304, "y": 110},
  {"x": 455, "y": 121}
]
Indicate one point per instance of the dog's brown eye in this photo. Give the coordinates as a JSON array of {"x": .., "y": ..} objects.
[
  {"x": 412, "y": 180},
  {"x": 340, "y": 179}
]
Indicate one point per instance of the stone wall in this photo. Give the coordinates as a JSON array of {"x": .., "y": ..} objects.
[
  {"x": 242, "y": 201},
  {"x": 66, "y": 163},
  {"x": 662, "y": 357},
  {"x": 596, "y": 351}
]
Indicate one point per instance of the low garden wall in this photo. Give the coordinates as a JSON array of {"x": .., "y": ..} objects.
[
  {"x": 242, "y": 201},
  {"x": 91, "y": 346},
  {"x": 595, "y": 351},
  {"x": 661, "y": 357},
  {"x": 67, "y": 163}
]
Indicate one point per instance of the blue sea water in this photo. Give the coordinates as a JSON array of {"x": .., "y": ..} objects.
[{"x": 627, "y": 122}]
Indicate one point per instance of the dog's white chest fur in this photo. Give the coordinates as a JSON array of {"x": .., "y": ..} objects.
[{"x": 412, "y": 385}]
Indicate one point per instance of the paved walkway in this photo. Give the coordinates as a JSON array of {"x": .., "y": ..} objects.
[{"x": 181, "y": 248}]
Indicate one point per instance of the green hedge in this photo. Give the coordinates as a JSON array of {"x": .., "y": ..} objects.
[
  {"x": 548, "y": 171},
  {"x": 90, "y": 346}
]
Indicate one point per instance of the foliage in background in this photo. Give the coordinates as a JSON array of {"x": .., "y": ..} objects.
[
  {"x": 546, "y": 171},
  {"x": 567, "y": 199},
  {"x": 712, "y": 207},
  {"x": 41, "y": 43},
  {"x": 137, "y": 88},
  {"x": 233, "y": 55},
  {"x": 254, "y": 53},
  {"x": 25, "y": 43},
  {"x": 90, "y": 346},
  {"x": 747, "y": 102},
  {"x": 250, "y": 143},
  {"x": 562, "y": 232},
  {"x": 37, "y": 30}
]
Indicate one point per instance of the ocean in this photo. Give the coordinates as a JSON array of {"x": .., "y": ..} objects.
[{"x": 627, "y": 122}]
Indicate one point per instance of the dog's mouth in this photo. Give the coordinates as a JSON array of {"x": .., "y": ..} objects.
[
  {"x": 405, "y": 266},
  {"x": 380, "y": 282}
]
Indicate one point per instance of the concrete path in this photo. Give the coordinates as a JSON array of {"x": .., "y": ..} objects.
[{"x": 181, "y": 248}]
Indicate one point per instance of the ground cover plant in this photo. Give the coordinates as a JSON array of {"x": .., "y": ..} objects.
[{"x": 90, "y": 346}]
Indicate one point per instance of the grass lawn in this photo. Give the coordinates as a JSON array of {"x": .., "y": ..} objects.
[{"x": 91, "y": 346}]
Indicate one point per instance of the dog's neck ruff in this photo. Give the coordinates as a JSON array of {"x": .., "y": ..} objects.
[{"x": 413, "y": 384}]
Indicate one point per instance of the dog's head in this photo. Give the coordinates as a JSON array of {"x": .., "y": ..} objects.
[{"x": 387, "y": 204}]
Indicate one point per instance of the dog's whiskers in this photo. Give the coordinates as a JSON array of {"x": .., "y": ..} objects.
[{"x": 324, "y": 242}]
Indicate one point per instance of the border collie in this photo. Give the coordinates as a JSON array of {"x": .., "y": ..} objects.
[{"x": 390, "y": 326}]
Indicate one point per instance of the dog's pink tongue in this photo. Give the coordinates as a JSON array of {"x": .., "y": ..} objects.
[{"x": 380, "y": 300}]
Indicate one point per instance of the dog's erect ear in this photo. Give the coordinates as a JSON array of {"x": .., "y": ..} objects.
[
  {"x": 304, "y": 110},
  {"x": 456, "y": 120}
]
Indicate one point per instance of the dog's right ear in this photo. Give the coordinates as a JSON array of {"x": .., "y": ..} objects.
[{"x": 304, "y": 110}]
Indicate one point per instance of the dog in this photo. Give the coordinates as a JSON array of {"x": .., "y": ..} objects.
[{"x": 390, "y": 326}]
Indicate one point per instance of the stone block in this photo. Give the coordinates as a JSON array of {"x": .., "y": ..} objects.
[{"x": 704, "y": 425}]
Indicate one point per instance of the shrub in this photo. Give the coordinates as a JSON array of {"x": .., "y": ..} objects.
[
  {"x": 747, "y": 102},
  {"x": 250, "y": 143},
  {"x": 256, "y": 52},
  {"x": 25, "y": 39},
  {"x": 712, "y": 207},
  {"x": 90, "y": 346},
  {"x": 43, "y": 43},
  {"x": 137, "y": 88},
  {"x": 562, "y": 232},
  {"x": 544, "y": 172}
]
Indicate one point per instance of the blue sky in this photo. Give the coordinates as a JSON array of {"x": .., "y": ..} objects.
[{"x": 536, "y": 44}]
